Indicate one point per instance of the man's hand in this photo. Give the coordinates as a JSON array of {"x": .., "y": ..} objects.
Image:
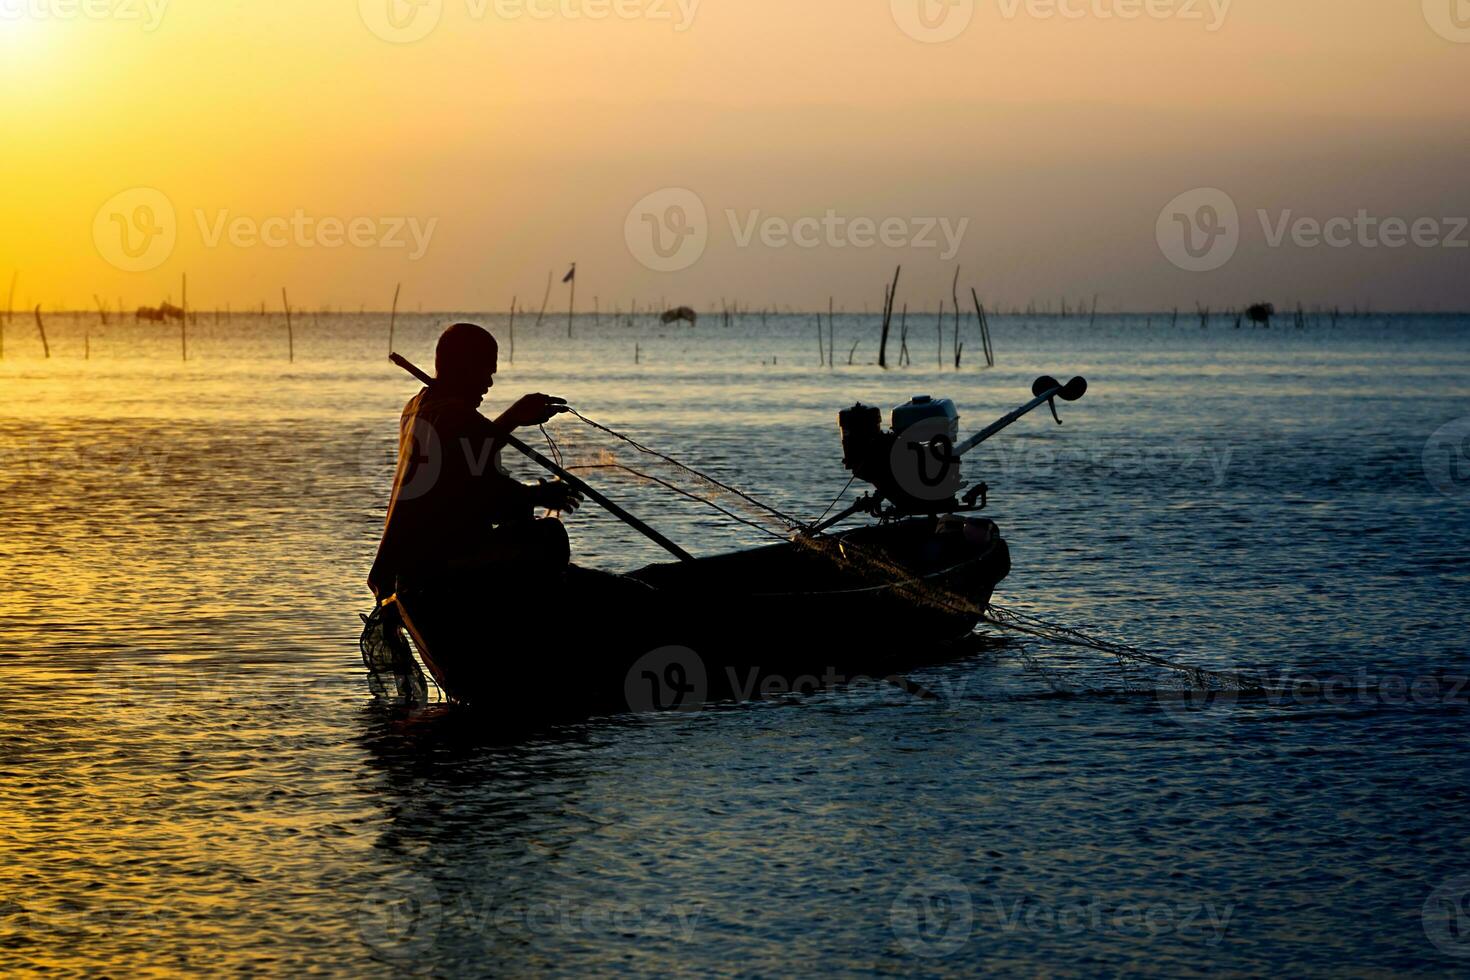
[
  {"x": 558, "y": 496},
  {"x": 536, "y": 409}
]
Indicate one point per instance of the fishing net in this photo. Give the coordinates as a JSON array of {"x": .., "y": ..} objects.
[
  {"x": 592, "y": 447},
  {"x": 1138, "y": 669},
  {"x": 393, "y": 673},
  {"x": 589, "y": 448}
]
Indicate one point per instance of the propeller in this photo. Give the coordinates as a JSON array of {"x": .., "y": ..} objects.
[{"x": 1051, "y": 389}]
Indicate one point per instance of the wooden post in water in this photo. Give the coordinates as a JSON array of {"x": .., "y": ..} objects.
[
  {"x": 939, "y": 334},
  {"x": 821, "y": 344},
  {"x": 10, "y": 302},
  {"x": 545, "y": 299},
  {"x": 904, "y": 357},
  {"x": 290, "y": 334},
  {"x": 393, "y": 316},
  {"x": 41, "y": 327},
  {"x": 831, "y": 334},
  {"x": 184, "y": 318},
  {"x": 101, "y": 310},
  {"x": 513, "y": 329},
  {"x": 572, "y": 299},
  {"x": 890, "y": 295},
  {"x": 954, "y": 290},
  {"x": 984, "y": 329}
]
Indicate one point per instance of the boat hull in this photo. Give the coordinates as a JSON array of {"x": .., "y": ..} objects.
[{"x": 791, "y": 616}]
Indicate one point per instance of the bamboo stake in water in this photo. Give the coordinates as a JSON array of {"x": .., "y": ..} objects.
[
  {"x": 831, "y": 334},
  {"x": 290, "y": 337},
  {"x": 572, "y": 302},
  {"x": 10, "y": 302},
  {"x": 184, "y": 319},
  {"x": 42, "y": 328},
  {"x": 888, "y": 299},
  {"x": 821, "y": 345},
  {"x": 984, "y": 329},
  {"x": 393, "y": 316},
  {"x": 101, "y": 310},
  {"x": 955, "y": 292},
  {"x": 513, "y": 329},
  {"x": 545, "y": 299},
  {"x": 939, "y": 333},
  {"x": 904, "y": 357}
]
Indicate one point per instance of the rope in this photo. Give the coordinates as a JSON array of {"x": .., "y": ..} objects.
[
  {"x": 905, "y": 583},
  {"x": 679, "y": 490},
  {"x": 840, "y": 494},
  {"x": 790, "y": 521},
  {"x": 1016, "y": 621}
]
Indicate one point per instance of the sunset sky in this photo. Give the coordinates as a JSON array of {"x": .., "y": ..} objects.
[{"x": 513, "y": 138}]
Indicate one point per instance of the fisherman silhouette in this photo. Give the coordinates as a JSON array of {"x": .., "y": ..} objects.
[{"x": 453, "y": 508}]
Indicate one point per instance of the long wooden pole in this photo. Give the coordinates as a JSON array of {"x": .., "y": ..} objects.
[
  {"x": 393, "y": 316},
  {"x": 572, "y": 303},
  {"x": 572, "y": 481},
  {"x": 513, "y": 328},
  {"x": 545, "y": 299},
  {"x": 290, "y": 334},
  {"x": 887, "y": 319},
  {"x": 42, "y": 328}
]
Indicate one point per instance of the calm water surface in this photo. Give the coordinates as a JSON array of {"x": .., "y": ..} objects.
[{"x": 195, "y": 777}]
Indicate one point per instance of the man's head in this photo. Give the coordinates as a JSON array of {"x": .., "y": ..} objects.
[{"x": 466, "y": 358}]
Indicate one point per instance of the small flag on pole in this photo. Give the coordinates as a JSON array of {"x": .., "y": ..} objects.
[{"x": 571, "y": 273}]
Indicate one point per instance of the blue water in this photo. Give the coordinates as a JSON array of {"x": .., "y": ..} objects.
[{"x": 196, "y": 778}]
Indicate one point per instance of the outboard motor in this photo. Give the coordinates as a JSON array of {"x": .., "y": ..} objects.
[{"x": 914, "y": 465}]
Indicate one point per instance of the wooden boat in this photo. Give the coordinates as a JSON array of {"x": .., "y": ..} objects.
[{"x": 812, "y": 612}]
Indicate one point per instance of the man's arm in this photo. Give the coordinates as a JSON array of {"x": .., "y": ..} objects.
[
  {"x": 529, "y": 410},
  {"x": 534, "y": 409}
]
